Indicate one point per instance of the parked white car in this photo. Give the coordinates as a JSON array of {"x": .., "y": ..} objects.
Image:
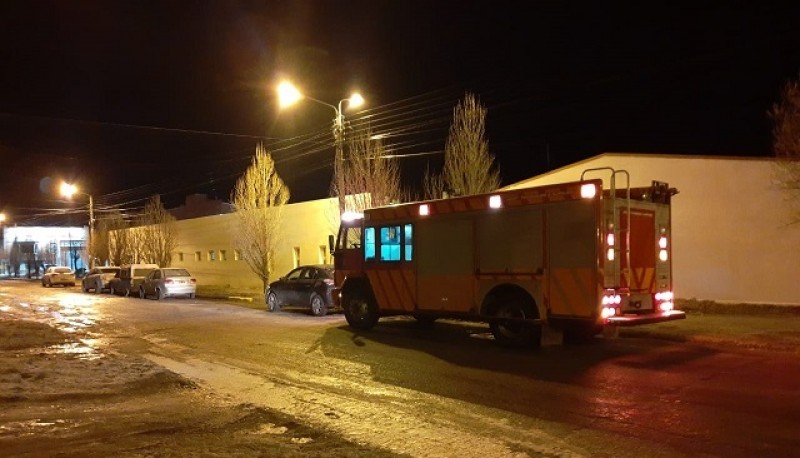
[
  {"x": 58, "y": 276},
  {"x": 168, "y": 282}
]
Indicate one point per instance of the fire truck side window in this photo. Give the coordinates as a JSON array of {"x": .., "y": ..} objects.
[
  {"x": 408, "y": 241},
  {"x": 390, "y": 243},
  {"x": 369, "y": 244}
]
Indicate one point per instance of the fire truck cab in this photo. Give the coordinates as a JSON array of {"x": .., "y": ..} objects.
[{"x": 573, "y": 257}]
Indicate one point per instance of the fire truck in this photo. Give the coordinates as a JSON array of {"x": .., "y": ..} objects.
[{"x": 573, "y": 258}]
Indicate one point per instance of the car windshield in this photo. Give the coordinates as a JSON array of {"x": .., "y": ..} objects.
[
  {"x": 141, "y": 272},
  {"x": 63, "y": 270},
  {"x": 168, "y": 273},
  {"x": 326, "y": 273}
]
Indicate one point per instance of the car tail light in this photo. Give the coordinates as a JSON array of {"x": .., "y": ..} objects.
[
  {"x": 194, "y": 281},
  {"x": 168, "y": 281}
]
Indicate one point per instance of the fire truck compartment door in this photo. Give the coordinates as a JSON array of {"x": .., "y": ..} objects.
[
  {"x": 445, "y": 265},
  {"x": 572, "y": 258}
]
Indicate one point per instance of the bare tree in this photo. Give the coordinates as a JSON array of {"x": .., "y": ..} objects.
[
  {"x": 157, "y": 235},
  {"x": 120, "y": 239},
  {"x": 98, "y": 246},
  {"x": 433, "y": 186},
  {"x": 369, "y": 178},
  {"x": 468, "y": 165},
  {"x": 786, "y": 142},
  {"x": 258, "y": 199}
]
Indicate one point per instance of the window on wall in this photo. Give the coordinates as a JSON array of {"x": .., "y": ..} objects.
[
  {"x": 180, "y": 257},
  {"x": 323, "y": 254},
  {"x": 197, "y": 256},
  {"x": 212, "y": 255},
  {"x": 223, "y": 255},
  {"x": 390, "y": 243},
  {"x": 296, "y": 256},
  {"x": 237, "y": 255}
]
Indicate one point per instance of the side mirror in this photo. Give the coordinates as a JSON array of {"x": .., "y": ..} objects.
[{"x": 330, "y": 243}]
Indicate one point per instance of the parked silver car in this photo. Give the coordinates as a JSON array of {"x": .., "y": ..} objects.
[
  {"x": 98, "y": 278},
  {"x": 168, "y": 282},
  {"x": 58, "y": 276}
]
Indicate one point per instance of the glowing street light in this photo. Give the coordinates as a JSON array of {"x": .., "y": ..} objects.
[
  {"x": 68, "y": 190},
  {"x": 288, "y": 95}
]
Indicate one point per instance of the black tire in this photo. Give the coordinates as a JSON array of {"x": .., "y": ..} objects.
[
  {"x": 360, "y": 309},
  {"x": 111, "y": 290},
  {"x": 126, "y": 292},
  {"x": 318, "y": 305},
  {"x": 84, "y": 288},
  {"x": 516, "y": 334},
  {"x": 142, "y": 295},
  {"x": 159, "y": 294},
  {"x": 97, "y": 288},
  {"x": 191, "y": 295},
  {"x": 272, "y": 302}
]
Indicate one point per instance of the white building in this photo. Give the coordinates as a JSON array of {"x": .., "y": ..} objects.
[{"x": 33, "y": 246}]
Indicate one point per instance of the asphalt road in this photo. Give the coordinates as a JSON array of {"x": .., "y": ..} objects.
[{"x": 449, "y": 390}]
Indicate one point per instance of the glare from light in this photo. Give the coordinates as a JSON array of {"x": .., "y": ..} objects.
[
  {"x": 2, "y": 217},
  {"x": 663, "y": 256},
  {"x": 288, "y": 94},
  {"x": 610, "y": 239},
  {"x": 610, "y": 254},
  {"x": 662, "y": 242},
  {"x": 67, "y": 190},
  {"x": 355, "y": 100},
  {"x": 495, "y": 202},
  {"x": 352, "y": 216},
  {"x": 588, "y": 191},
  {"x": 424, "y": 210}
]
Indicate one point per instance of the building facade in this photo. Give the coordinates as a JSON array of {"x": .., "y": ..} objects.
[{"x": 26, "y": 250}]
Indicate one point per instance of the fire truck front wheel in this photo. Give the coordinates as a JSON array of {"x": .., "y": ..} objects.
[{"x": 360, "y": 308}]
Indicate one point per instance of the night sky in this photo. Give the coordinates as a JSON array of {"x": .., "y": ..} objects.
[{"x": 130, "y": 99}]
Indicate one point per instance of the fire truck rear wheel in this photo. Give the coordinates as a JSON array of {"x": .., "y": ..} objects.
[
  {"x": 515, "y": 333},
  {"x": 360, "y": 309}
]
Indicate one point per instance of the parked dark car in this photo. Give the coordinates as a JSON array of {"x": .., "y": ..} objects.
[
  {"x": 305, "y": 286},
  {"x": 129, "y": 279},
  {"x": 97, "y": 279}
]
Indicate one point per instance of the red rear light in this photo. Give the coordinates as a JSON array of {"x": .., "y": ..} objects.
[
  {"x": 194, "y": 281},
  {"x": 168, "y": 281}
]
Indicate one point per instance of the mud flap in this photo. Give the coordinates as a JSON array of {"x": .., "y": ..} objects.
[{"x": 551, "y": 337}]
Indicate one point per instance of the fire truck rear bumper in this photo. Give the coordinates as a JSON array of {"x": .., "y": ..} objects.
[{"x": 636, "y": 320}]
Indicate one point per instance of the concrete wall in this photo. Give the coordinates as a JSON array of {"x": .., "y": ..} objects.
[
  {"x": 731, "y": 241},
  {"x": 202, "y": 241}
]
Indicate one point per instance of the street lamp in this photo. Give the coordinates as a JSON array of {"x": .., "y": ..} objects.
[
  {"x": 68, "y": 190},
  {"x": 288, "y": 95},
  {"x": 2, "y": 241}
]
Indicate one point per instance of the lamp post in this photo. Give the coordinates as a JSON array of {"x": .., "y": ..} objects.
[
  {"x": 288, "y": 95},
  {"x": 2, "y": 242},
  {"x": 68, "y": 190}
]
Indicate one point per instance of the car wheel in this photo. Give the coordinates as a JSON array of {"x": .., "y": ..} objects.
[
  {"x": 318, "y": 307},
  {"x": 272, "y": 302},
  {"x": 360, "y": 309},
  {"x": 111, "y": 290},
  {"x": 97, "y": 288},
  {"x": 142, "y": 295},
  {"x": 159, "y": 294},
  {"x": 191, "y": 295},
  {"x": 126, "y": 292},
  {"x": 84, "y": 288}
]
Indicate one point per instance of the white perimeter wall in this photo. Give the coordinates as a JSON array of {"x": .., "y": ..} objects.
[
  {"x": 731, "y": 241},
  {"x": 305, "y": 227}
]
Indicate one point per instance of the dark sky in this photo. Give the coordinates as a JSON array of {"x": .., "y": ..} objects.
[{"x": 134, "y": 98}]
